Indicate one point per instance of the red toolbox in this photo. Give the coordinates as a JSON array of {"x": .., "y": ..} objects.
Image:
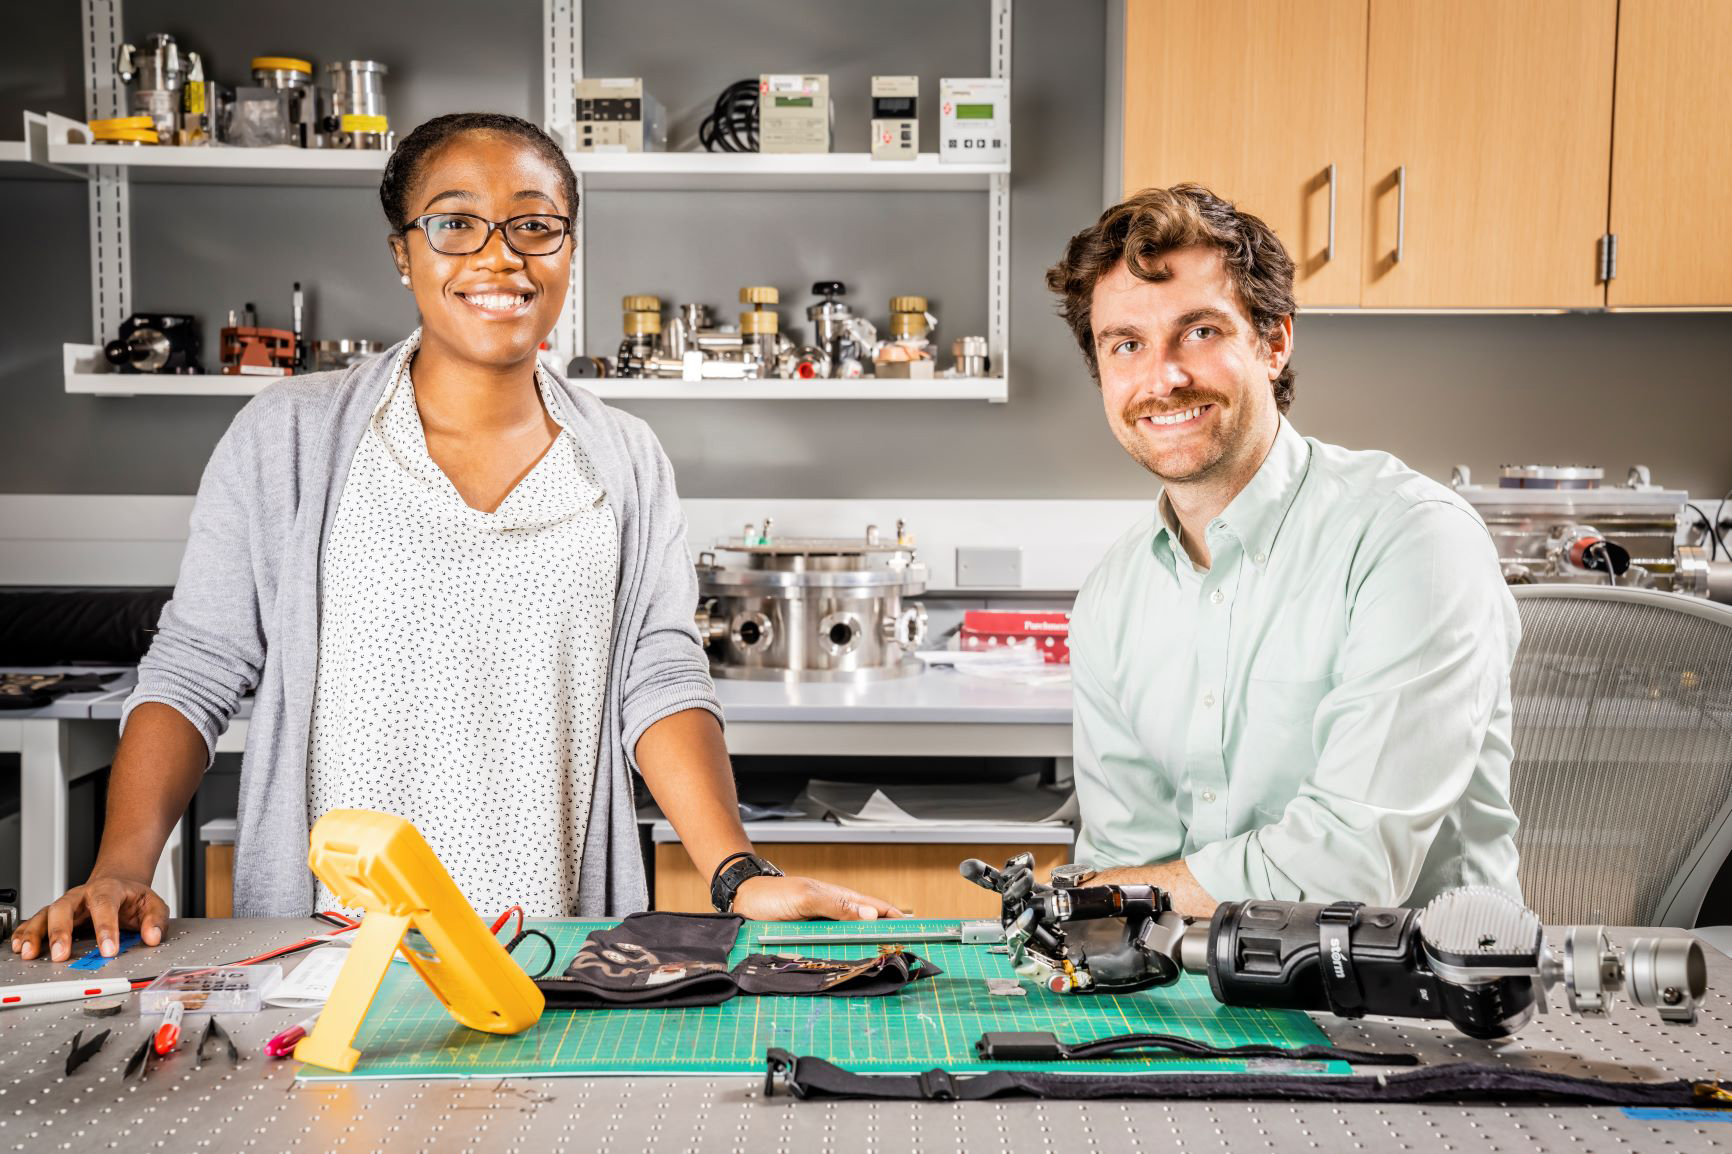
[{"x": 990, "y": 628}]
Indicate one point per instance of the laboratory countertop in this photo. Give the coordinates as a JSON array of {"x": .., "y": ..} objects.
[
  {"x": 259, "y": 1105},
  {"x": 940, "y": 696},
  {"x": 71, "y": 706}
]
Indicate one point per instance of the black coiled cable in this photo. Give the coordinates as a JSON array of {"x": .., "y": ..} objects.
[{"x": 732, "y": 126}]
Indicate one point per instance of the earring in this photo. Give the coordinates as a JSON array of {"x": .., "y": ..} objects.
[{"x": 404, "y": 278}]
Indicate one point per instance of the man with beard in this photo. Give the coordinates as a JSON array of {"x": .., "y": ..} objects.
[{"x": 1292, "y": 682}]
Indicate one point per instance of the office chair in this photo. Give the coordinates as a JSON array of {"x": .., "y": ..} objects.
[{"x": 1623, "y": 753}]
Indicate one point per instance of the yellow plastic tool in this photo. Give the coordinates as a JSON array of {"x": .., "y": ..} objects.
[
  {"x": 281, "y": 64},
  {"x": 358, "y": 122},
  {"x": 114, "y": 123},
  {"x": 380, "y": 863}
]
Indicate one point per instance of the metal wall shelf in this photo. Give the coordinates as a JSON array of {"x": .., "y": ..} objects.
[
  {"x": 638, "y": 171},
  {"x": 995, "y": 389},
  {"x": 87, "y": 374},
  {"x": 330, "y": 167},
  {"x": 60, "y": 146},
  {"x": 830, "y": 172}
]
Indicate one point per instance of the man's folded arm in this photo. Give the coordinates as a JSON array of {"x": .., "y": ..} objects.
[
  {"x": 1111, "y": 766},
  {"x": 1399, "y": 736}
]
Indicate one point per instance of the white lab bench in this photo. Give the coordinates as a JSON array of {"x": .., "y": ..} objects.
[
  {"x": 57, "y": 744},
  {"x": 940, "y": 712}
]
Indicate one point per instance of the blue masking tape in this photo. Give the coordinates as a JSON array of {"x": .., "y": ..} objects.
[
  {"x": 1669, "y": 1114},
  {"x": 93, "y": 960}
]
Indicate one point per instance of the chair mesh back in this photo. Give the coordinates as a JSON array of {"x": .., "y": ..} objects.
[{"x": 1623, "y": 751}]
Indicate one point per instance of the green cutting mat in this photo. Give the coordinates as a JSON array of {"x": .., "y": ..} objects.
[{"x": 935, "y": 1022}]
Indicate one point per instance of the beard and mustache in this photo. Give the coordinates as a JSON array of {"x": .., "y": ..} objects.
[
  {"x": 1175, "y": 402},
  {"x": 1222, "y": 435}
]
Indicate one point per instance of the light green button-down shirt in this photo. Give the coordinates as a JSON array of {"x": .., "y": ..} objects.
[{"x": 1322, "y": 714}]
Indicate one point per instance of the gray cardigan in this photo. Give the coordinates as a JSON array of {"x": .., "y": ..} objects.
[{"x": 245, "y": 617}]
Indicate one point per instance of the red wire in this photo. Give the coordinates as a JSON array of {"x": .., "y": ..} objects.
[
  {"x": 303, "y": 944},
  {"x": 308, "y": 943},
  {"x": 506, "y": 916}
]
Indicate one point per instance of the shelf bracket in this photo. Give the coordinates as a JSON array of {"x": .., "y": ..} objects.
[
  {"x": 110, "y": 194},
  {"x": 562, "y": 67},
  {"x": 998, "y": 214},
  {"x": 39, "y": 129}
]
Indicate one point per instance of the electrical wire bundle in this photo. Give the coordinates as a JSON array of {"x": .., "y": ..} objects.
[{"x": 732, "y": 126}]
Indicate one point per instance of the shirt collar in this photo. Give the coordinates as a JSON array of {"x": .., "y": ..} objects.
[
  {"x": 397, "y": 424},
  {"x": 1256, "y": 514},
  {"x": 543, "y": 384}
]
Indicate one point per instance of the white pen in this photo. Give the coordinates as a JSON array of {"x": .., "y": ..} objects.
[{"x": 44, "y": 992}]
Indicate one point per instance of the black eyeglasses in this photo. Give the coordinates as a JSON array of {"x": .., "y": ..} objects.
[{"x": 463, "y": 233}]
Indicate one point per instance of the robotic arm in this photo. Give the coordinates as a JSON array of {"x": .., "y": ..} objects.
[{"x": 1474, "y": 956}]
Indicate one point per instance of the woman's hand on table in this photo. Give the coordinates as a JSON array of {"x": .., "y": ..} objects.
[
  {"x": 108, "y": 904},
  {"x": 792, "y": 899}
]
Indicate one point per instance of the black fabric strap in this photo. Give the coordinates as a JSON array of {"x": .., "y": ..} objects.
[
  {"x": 817, "y": 1080},
  {"x": 1037, "y": 1047},
  {"x": 1335, "y": 927}
]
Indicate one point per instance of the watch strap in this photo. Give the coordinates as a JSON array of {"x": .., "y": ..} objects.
[{"x": 734, "y": 871}]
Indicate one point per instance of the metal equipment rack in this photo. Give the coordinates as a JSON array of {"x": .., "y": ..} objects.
[{"x": 110, "y": 172}]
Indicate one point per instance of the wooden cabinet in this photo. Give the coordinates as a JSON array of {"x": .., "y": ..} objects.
[
  {"x": 920, "y": 879},
  {"x": 1477, "y": 156},
  {"x": 1487, "y": 152},
  {"x": 1263, "y": 101},
  {"x": 1672, "y": 154}
]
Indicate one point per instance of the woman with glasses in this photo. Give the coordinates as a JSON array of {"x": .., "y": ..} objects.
[{"x": 460, "y": 590}]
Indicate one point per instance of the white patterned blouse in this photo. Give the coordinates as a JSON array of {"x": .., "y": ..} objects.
[{"x": 463, "y": 658}]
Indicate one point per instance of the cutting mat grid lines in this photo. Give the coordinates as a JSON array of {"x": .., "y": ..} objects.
[{"x": 408, "y": 1034}]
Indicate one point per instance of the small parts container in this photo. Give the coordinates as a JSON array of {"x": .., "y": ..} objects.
[{"x": 210, "y": 989}]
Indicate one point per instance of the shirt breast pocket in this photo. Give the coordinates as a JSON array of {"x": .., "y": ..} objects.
[{"x": 1276, "y": 746}]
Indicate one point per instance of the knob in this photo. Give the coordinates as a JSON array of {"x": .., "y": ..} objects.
[
  {"x": 830, "y": 288},
  {"x": 757, "y": 321}
]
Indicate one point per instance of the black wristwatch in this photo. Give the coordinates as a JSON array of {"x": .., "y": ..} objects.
[{"x": 735, "y": 871}]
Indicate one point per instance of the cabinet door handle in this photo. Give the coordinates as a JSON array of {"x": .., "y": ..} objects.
[
  {"x": 1400, "y": 211},
  {"x": 1329, "y": 248}
]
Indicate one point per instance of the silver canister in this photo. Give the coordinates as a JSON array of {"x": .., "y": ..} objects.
[
  {"x": 352, "y": 106},
  {"x": 292, "y": 79},
  {"x": 340, "y": 354},
  {"x": 971, "y": 358},
  {"x": 812, "y": 609},
  {"x": 159, "y": 72}
]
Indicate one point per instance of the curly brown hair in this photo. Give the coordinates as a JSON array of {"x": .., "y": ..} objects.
[{"x": 1156, "y": 221}]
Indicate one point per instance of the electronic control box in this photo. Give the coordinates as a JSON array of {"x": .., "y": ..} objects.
[
  {"x": 793, "y": 113},
  {"x": 895, "y": 117},
  {"x": 617, "y": 115},
  {"x": 974, "y": 121}
]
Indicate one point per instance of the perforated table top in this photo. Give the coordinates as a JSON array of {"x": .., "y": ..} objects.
[{"x": 261, "y": 1106}]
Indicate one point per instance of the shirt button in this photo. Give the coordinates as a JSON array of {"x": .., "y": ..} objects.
[
  {"x": 1217, "y": 597},
  {"x": 1208, "y": 795},
  {"x": 1260, "y": 558},
  {"x": 1209, "y": 700}
]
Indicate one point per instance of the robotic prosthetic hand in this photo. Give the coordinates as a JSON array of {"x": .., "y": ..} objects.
[
  {"x": 1474, "y": 955},
  {"x": 1146, "y": 954}
]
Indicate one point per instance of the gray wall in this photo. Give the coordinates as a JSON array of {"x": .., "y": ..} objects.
[{"x": 1608, "y": 389}]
